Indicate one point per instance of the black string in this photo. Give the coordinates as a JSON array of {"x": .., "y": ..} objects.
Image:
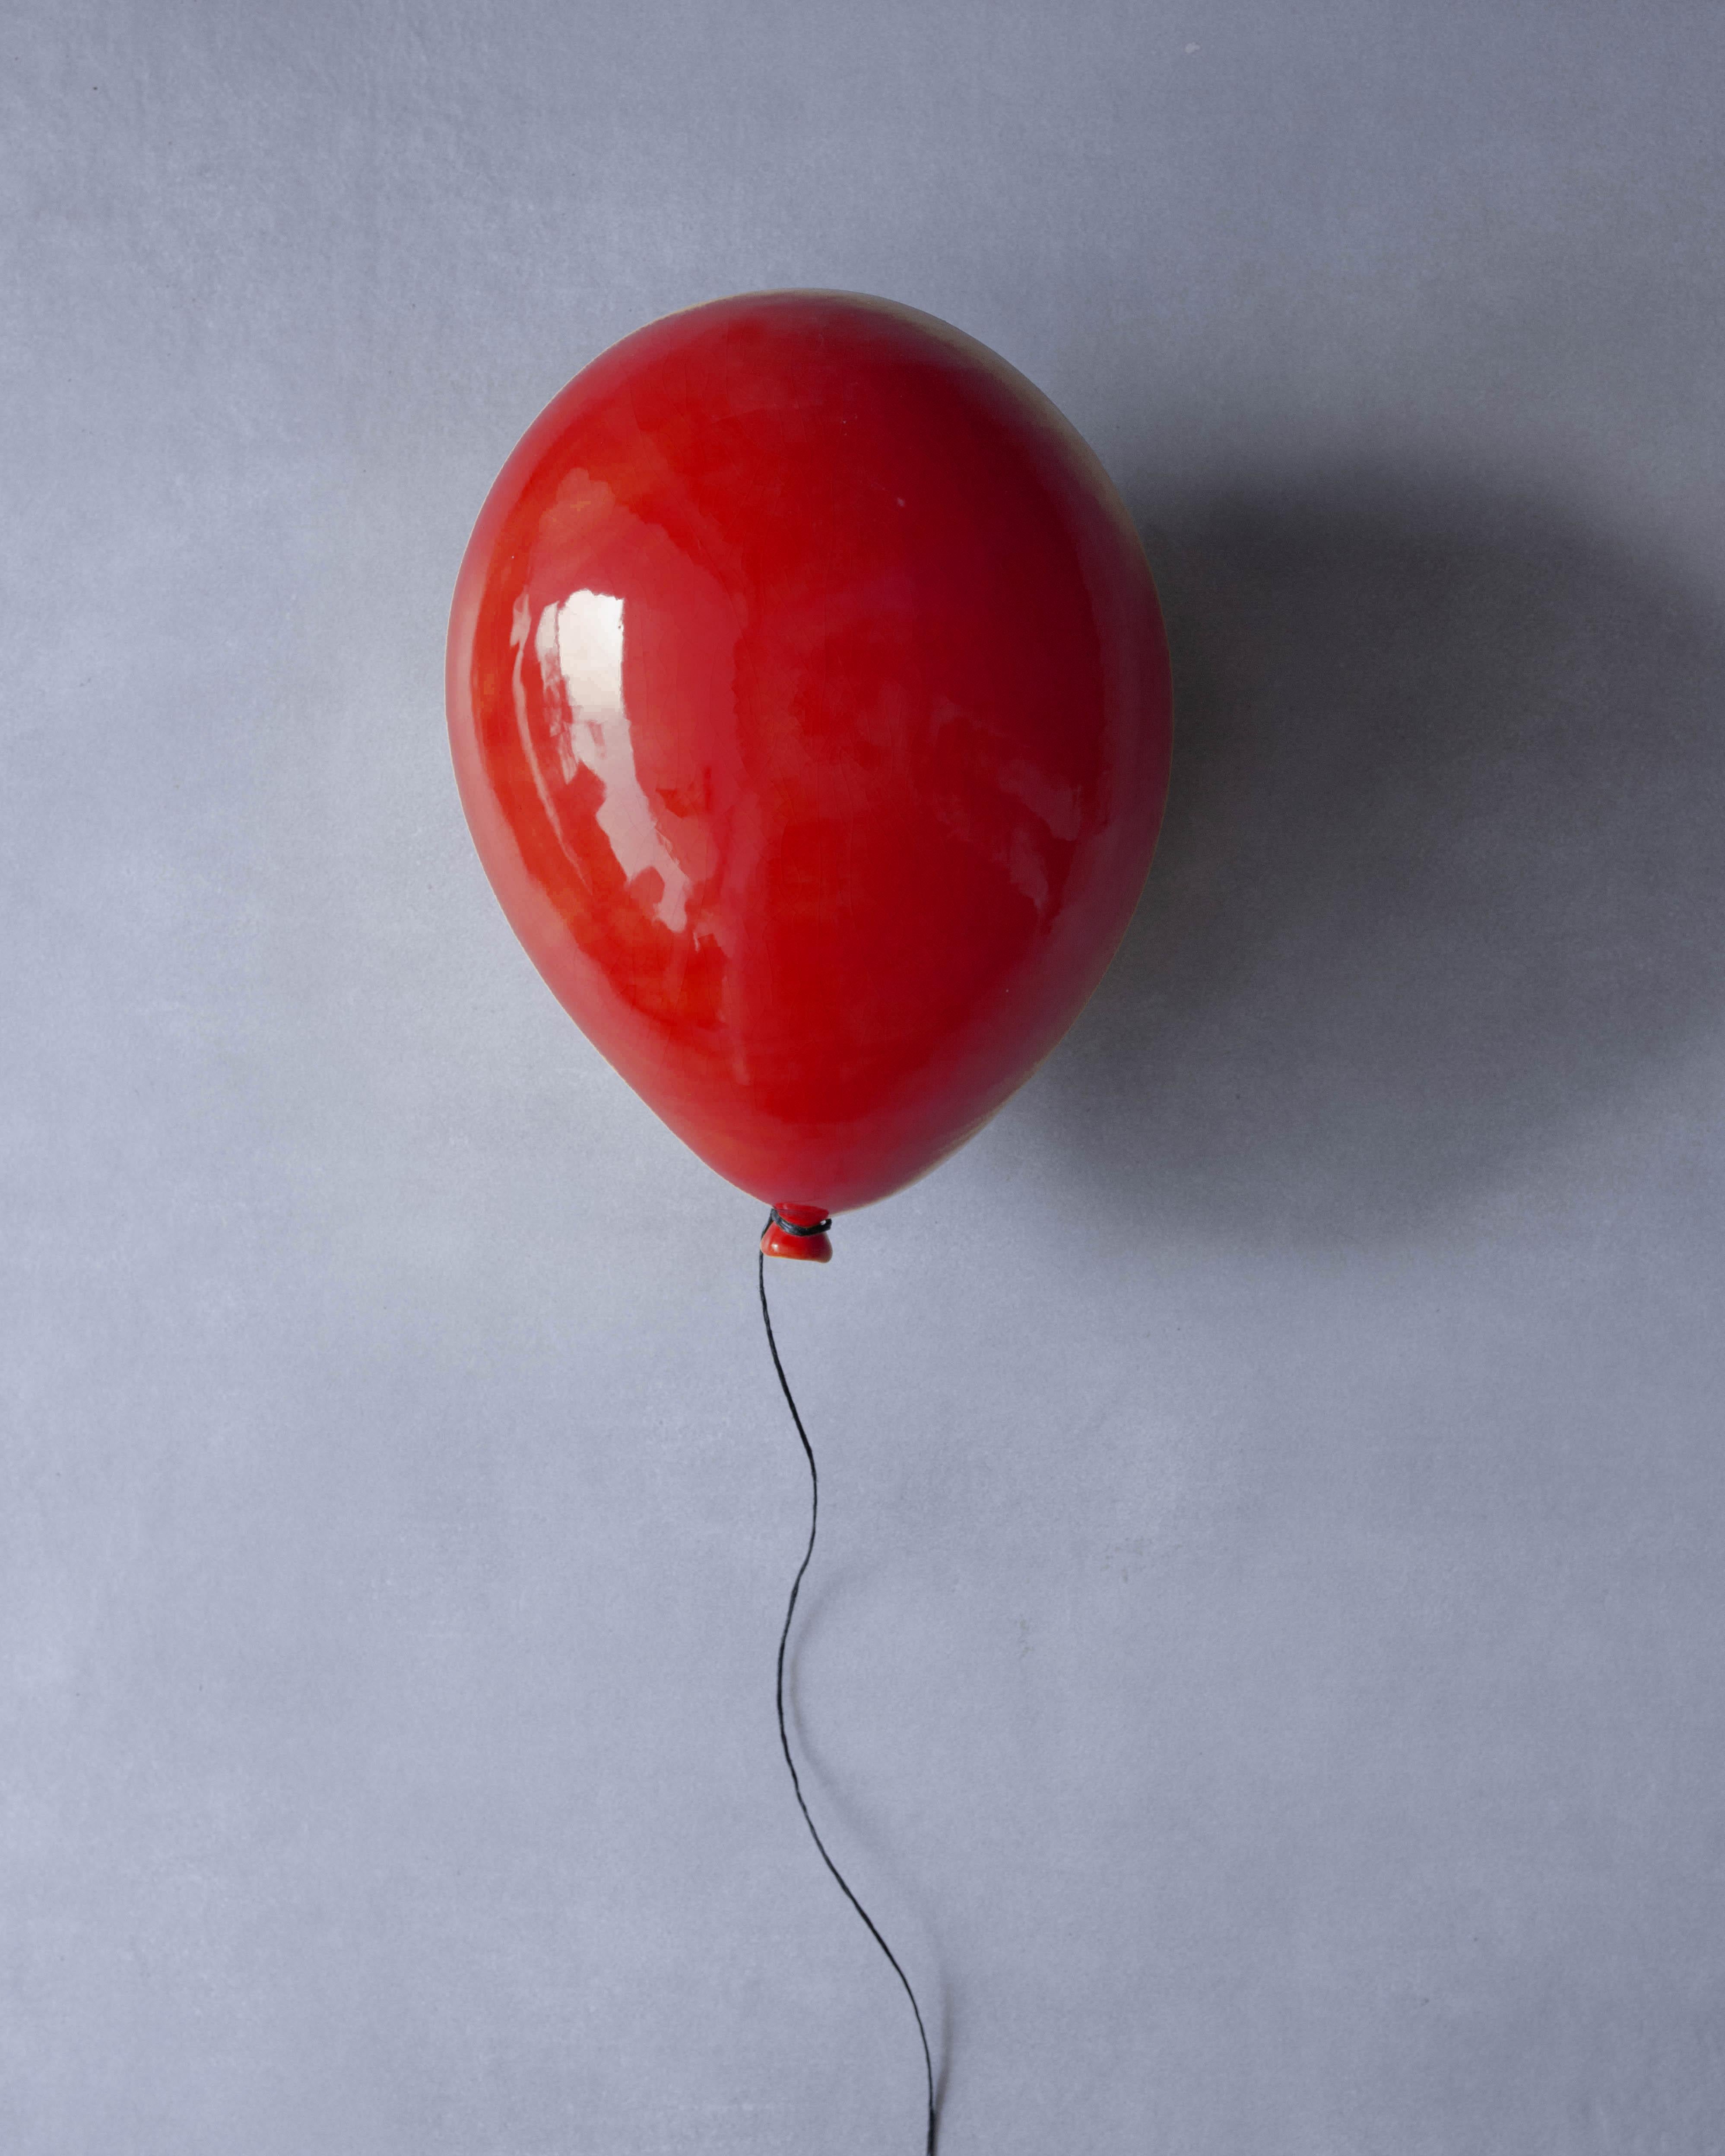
[
  {"x": 775, "y": 1218},
  {"x": 784, "y": 1735}
]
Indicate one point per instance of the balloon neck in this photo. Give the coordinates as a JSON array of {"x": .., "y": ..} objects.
[{"x": 797, "y": 1231}]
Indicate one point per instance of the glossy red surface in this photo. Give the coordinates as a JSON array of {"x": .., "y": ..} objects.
[{"x": 809, "y": 704}]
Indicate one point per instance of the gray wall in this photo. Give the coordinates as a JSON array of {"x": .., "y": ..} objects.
[{"x": 1264, "y": 1668}]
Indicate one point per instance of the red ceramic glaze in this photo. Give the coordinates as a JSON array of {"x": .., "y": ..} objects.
[{"x": 810, "y": 708}]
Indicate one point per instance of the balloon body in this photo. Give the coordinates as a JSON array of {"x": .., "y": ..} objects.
[{"x": 810, "y": 708}]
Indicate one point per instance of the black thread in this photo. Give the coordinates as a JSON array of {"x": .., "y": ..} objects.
[
  {"x": 775, "y": 1218},
  {"x": 784, "y": 1734}
]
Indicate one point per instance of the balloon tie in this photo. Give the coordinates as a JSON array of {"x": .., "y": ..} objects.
[
  {"x": 775, "y": 1218},
  {"x": 783, "y": 1641}
]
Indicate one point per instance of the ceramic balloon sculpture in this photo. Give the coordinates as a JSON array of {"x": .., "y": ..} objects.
[{"x": 810, "y": 707}]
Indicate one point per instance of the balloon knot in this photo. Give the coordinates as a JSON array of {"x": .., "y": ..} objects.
[{"x": 797, "y": 1231}]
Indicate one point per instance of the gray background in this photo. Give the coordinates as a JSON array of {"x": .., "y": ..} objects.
[{"x": 1265, "y": 1671}]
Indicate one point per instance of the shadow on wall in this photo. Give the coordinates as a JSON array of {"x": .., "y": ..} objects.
[{"x": 1444, "y": 862}]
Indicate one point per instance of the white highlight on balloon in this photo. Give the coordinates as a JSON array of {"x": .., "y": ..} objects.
[{"x": 579, "y": 648}]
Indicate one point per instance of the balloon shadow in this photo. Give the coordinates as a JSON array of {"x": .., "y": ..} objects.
[{"x": 1444, "y": 862}]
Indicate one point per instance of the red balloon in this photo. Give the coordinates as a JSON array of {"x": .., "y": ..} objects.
[{"x": 810, "y": 707}]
